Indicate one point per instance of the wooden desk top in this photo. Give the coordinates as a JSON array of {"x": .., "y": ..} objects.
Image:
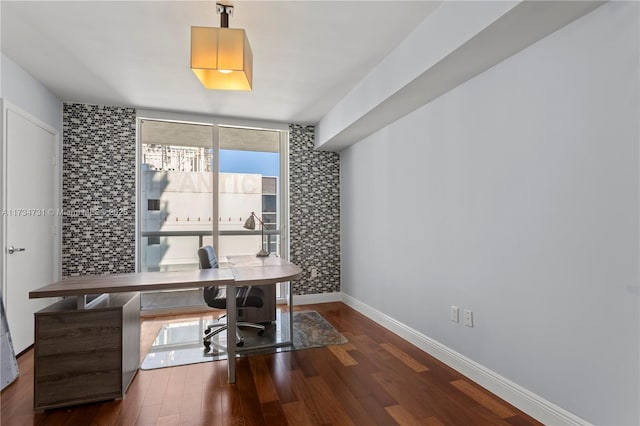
[
  {"x": 253, "y": 270},
  {"x": 244, "y": 270}
]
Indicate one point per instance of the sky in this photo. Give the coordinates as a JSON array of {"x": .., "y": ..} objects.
[{"x": 263, "y": 163}]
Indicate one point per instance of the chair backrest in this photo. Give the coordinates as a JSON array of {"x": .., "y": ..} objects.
[
  {"x": 212, "y": 295},
  {"x": 207, "y": 256}
]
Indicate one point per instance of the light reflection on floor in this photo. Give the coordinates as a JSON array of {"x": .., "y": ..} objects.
[{"x": 180, "y": 343}]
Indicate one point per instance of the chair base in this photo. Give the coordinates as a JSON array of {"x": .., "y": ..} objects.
[{"x": 209, "y": 332}]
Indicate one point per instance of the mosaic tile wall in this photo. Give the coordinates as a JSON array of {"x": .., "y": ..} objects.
[
  {"x": 98, "y": 189},
  {"x": 314, "y": 205},
  {"x": 98, "y": 233}
]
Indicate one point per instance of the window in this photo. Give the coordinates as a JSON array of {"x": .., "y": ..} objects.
[
  {"x": 176, "y": 184},
  {"x": 180, "y": 166},
  {"x": 249, "y": 172}
]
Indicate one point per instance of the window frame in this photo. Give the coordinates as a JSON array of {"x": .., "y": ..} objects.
[{"x": 216, "y": 123}]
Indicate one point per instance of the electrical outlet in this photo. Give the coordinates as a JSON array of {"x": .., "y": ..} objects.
[
  {"x": 454, "y": 313},
  {"x": 313, "y": 272},
  {"x": 468, "y": 318}
]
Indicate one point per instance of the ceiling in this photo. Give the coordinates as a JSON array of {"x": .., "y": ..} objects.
[
  {"x": 307, "y": 54},
  {"x": 201, "y": 135}
]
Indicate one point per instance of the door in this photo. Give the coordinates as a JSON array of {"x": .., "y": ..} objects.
[{"x": 30, "y": 217}]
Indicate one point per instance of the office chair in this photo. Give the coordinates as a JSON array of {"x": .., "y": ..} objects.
[{"x": 216, "y": 297}]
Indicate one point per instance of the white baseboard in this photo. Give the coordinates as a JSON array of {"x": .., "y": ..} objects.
[
  {"x": 309, "y": 299},
  {"x": 532, "y": 404}
]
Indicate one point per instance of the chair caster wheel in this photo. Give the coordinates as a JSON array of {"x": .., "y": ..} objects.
[
  {"x": 207, "y": 344},
  {"x": 260, "y": 332},
  {"x": 240, "y": 344}
]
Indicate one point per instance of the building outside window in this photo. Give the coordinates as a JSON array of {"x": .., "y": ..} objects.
[{"x": 179, "y": 211}]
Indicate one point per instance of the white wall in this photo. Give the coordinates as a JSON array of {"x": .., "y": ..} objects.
[
  {"x": 21, "y": 89},
  {"x": 516, "y": 195}
]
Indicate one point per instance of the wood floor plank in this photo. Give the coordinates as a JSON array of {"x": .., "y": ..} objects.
[
  {"x": 344, "y": 357},
  {"x": 348, "y": 346},
  {"x": 336, "y": 412},
  {"x": 232, "y": 405},
  {"x": 191, "y": 408},
  {"x": 158, "y": 387},
  {"x": 274, "y": 414},
  {"x": 361, "y": 383},
  {"x": 132, "y": 403},
  {"x": 195, "y": 374},
  {"x": 377, "y": 378},
  {"x": 412, "y": 398},
  {"x": 280, "y": 369},
  {"x": 486, "y": 400},
  {"x": 432, "y": 421},
  {"x": 264, "y": 384},
  {"x": 407, "y": 359},
  {"x": 172, "y": 397},
  {"x": 372, "y": 350},
  {"x": 109, "y": 412},
  {"x": 402, "y": 416},
  {"x": 383, "y": 360},
  {"x": 377, "y": 411},
  {"x": 212, "y": 391},
  {"x": 303, "y": 359},
  {"x": 424, "y": 401},
  {"x": 328, "y": 367},
  {"x": 251, "y": 407},
  {"x": 148, "y": 415},
  {"x": 171, "y": 420},
  {"x": 296, "y": 414},
  {"x": 316, "y": 412}
]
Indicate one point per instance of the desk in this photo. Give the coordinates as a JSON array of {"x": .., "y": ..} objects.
[
  {"x": 243, "y": 271},
  {"x": 249, "y": 271}
]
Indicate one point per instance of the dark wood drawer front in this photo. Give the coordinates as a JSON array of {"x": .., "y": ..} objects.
[
  {"x": 93, "y": 362},
  {"x": 78, "y": 332},
  {"x": 77, "y": 387},
  {"x": 86, "y": 355}
]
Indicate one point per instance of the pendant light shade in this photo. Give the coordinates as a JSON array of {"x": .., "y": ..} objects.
[{"x": 221, "y": 58}]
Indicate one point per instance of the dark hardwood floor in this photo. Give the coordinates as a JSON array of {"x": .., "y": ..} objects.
[{"x": 375, "y": 379}]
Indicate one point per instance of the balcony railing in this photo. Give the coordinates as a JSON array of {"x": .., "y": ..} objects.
[
  {"x": 189, "y": 298},
  {"x": 268, "y": 233}
]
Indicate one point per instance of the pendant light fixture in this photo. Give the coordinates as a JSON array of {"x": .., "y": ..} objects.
[{"x": 221, "y": 58}]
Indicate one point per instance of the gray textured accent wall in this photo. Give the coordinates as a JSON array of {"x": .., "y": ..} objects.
[
  {"x": 314, "y": 205},
  {"x": 98, "y": 232},
  {"x": 98, "y": 189}
]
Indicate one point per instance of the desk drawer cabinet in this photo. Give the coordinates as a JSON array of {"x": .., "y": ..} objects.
[
  {"x": 267, "y": 313},
  {"x": 86, "y": 355}
]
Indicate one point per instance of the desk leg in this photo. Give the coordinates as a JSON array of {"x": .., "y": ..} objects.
[
  {"x": 231, "y": 333},
  {"x": 81, "y": 300},
  {"x": 291, "y": 311}
]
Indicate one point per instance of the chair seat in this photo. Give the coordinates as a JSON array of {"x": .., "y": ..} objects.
[
  {"x": 246, "y": 297},
  {"x": 216, "y": 297}
]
